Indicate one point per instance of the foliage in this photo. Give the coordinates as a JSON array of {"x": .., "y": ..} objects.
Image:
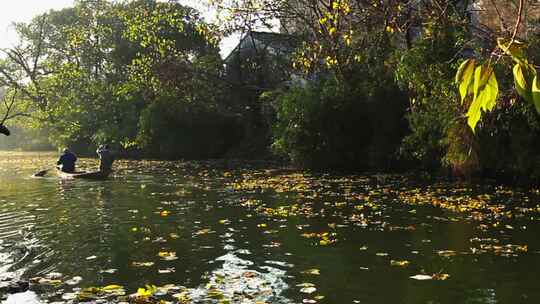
[
  {"x": 329, "y": 125},
  {"x": 174, "y": 128},
  {"x": 423, "y": 71},
  {"x": 94, "y": 68}
]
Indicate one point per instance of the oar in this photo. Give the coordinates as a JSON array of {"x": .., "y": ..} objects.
[{"x": 41, "y": 173}]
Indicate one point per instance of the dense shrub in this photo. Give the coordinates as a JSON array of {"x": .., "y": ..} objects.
[
  {"x": 329, "y": 125},
  {"x": 426, "y": 71},
  {"x": 177, "y": 130}
]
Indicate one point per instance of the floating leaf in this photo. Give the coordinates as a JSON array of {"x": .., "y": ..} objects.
[
  {"x": 142, "y": 264},
  {"x": 166, "y": 270},
  {"x": 446, "y": 253},
  {"x": 440, "y": 276},
  {"x": 308, "y": 290},
  {"x": 313, "y": 271},
  {"x": 146, "y": 292},
  {"x": 69, "y": 296},
  {"x": 168, "y": 255},
  {"x": 112, "y": 287},
  {"x": 74, "y": 281},
  {"x": 422, "y": 277},
  {"x": 403, "y": 263}
]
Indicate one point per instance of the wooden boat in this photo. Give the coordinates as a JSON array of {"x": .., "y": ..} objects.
[{"x": 96, "y": 175}]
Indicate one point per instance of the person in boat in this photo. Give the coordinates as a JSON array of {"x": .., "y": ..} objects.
[
  {"x": 106, "y": 158},
  {"x": 67, "y": 160}
]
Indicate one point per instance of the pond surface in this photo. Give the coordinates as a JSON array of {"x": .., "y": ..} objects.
[{"x": 234, "y": 232}]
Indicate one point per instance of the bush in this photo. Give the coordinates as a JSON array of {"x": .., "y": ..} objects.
[
  {"x": 176, "y": 130},
  {"x": 329, "y": 125}
]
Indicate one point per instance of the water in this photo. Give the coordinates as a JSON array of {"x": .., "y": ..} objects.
[{"x": 231, "y": 232}]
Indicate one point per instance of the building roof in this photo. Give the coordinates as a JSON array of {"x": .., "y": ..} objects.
[{"x": 274, "y": 40}]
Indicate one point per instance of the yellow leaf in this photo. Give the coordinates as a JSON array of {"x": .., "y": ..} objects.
[
  {"x": 112, "y": 287},
  {"x": 464, "y": 77},
  {"x": 520, "y": 82},
  {"x": 477, "y": 81},
  {"x": 403, "y": 263},
  {"x": 536, "y": 94}
]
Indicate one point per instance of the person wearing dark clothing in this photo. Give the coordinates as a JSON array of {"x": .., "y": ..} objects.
[
  {"x": 67, "y": 161},
  {"x": 106, "y": 158}
]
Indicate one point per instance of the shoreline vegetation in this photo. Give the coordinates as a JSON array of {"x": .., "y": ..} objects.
[{"x": 347, "y": 87}]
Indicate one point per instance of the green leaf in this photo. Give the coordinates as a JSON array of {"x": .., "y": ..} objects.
[
  {"x": 486, "y": 90},
  {"x": 464, "y": 77},
  {"x": 474, "y": 113},
  {"x": 489, "y": 93},
  {"x": 536, "y": 94},
  {"x": 520, "y": 82},
  {"x": 477, "y": 81},
  {"x": 516, "y": 50}
]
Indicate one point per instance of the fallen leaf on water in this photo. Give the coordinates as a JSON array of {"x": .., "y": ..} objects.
[
  {"x": 421, "y": 277},
  {"x": 446, "y": 253},
  {"x": 112, "y": 287},
  {"x": 142, "y": 264},
  {"x": 436, "y": 277},
  {"x": 167, "y": 255},
  {"x": 69, "y": 296},
  {"x": 313, "y": 271},
  {"x": 44, "y": 281},
  {"x": 74, "y": 280},
  {"x": 440, "y": 276},
  {"x": 203, "y": 231},
  {"x": 403, "y": 263},
  {"x": 54, "y": 275},
  {"x": 167, "y": 270},
  {"x": 305, "y": 285},
  {"x": 146, "y": 292},
  {"x": 308, "y": 290}
]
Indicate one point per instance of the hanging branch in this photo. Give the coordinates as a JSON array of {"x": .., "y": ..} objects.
[{"x": 518, "y": 22}]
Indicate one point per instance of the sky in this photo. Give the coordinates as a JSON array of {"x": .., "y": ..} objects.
[{"x": 23, "y": 11}]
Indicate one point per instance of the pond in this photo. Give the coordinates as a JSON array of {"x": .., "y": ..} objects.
[{"x": 239, "y": 232}]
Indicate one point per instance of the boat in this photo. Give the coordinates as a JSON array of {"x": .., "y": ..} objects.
[{"x": 96, "y": 175}]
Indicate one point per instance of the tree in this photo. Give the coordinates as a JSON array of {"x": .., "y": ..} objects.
[{"x": 90, "y": 70}]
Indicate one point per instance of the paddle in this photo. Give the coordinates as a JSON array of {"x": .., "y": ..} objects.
[{"x": 41, "y": 173}]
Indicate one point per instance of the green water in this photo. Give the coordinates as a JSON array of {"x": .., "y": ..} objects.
[{"x": 253, "y": 233}]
